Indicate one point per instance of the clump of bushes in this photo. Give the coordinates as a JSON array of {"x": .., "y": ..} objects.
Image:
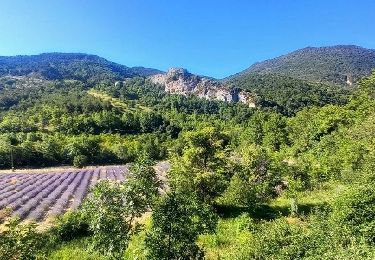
[
  {"x": 80, "y": 161},
  {"x": 21, "y": 241},
  {"x": 343, "y": 229}
]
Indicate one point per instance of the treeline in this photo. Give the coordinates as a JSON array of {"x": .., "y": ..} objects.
[
  {"x": 141, "y": 91},
  {"x": 288, "y": 95},
  {"x": 69, "y": 66}
]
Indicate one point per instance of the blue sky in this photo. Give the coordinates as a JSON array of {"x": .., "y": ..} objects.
[{"x": 211, "y": 37}]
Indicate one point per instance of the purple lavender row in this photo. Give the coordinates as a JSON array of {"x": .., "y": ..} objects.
[
  {"x": 63, "y": 201},
  {"x": 7, "y": 176},
  {"x": 12, "y": 177},
  {"x": 118, "y": 172},
  {"x": 34, "y": 191},
  {"x": 7, "y": 181},
  {"x": 95, "y": 177},
  {"x": 13, "y": 184},
  {"x": 38, "y": 213},
  {"x": 32, "y": 203},
  {"x": 18, "y": 189},
  {"x": 103, "y": 174},
  {"x": 9, "y": 186},
  {"x": 21, "y": 189},
  {"x": 81, "y": 190},
  {"x": 110, "y": 174}
]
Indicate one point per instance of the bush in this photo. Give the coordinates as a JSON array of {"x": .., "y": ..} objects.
[
  {"x": 176, "y": 223},
  {"x": 108, "y": 218},
  {"x": 80, "y": 161},
  {"x": 355, "y": 210},
  {"x": 112, "y": 209},
  {"x": 240, "y": 193},
  {"x": 70, "y": 226},
  {"x": 21, "y": 241}
]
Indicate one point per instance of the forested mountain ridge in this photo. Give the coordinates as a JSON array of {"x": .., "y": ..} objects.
[
  {"x": 289, "y": 95},
  {"x": 75, "y": 66},
  {"x": 269, "y": 89},
  {"x": 335, "y": 65}
]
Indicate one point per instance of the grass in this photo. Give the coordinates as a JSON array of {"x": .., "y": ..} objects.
[
  {"x": 234, "y": 231},
  {"x": 79, "y": 249},
  {"x": 137, "y": 247},
  {"x": 311, "y": 198},
  {"x": 115, "y": 102},
  {"x": 75, "y": 250},
  {"x": 231, "y": 237}
]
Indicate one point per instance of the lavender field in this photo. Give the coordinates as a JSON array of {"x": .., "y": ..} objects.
[{"x": 39, "y": 196}]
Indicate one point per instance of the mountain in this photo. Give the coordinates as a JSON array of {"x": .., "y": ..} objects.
[
  {"x": 306, "y": 77},
  {"x": 335, "y": 65},
  {"x": 180, "y": 81},
  {"x": 286, "y": 94},
  {"x": 75, "y": 66}
]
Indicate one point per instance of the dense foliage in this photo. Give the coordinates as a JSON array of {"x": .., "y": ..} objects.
[
  {"x": 289, "y": 95},
  {"x": 74, "y": 66},
  {"x": 291, "y": 180},
  {"x": 21, "y": 241},
  {"x": 112, "y": 209},
  {"x": 177, "y": 221}
]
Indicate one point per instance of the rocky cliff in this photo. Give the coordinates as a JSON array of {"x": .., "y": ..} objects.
[{"x": 180, "y": 81}]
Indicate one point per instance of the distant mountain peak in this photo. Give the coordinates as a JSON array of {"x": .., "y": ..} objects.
[
  {"x": 334, "y": 65},
  {"x": 78, "y": 66}
]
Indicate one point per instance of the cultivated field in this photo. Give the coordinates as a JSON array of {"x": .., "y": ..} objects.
[{"x": 39, "y": 196}]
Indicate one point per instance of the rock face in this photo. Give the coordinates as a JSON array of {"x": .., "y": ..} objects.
[
  {"x": 180, "y": 81},
  {"x": 349, "y": 80}
]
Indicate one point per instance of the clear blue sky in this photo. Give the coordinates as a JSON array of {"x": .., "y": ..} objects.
[{"x": 211, "y": 37}]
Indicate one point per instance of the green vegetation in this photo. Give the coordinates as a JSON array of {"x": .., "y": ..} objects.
[
  {"x": 111, "y": 209},
  {"x": 332, "y": 65},
  {"x": 264, "y": 183},
  {"x": 21, "y": 241},
  {"x": 289, "y": 95},
  {"x": 72, "y": 66},
  {"x": 176, "y": 223}
]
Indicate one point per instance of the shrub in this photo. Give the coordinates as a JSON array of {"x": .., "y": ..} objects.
[
  {"x": 176, "y": 223},
  {"x": 80, "y": 161},
  {"x": 112, "y": 209},
  {"x": 21, "y": 241},
  {"x": 355, "y": 210},
  {"x": 70, "y": 226}
]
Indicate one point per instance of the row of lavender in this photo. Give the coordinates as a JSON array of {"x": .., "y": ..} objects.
[{"x": 39, "y": 196}]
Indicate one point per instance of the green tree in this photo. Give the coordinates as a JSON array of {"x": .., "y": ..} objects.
[
  {"x": 355, "y": 210},
  {"x": 255, "y": 179},
  {"x": 176, "y": 223},
  {"x": 112, "y": 209},
  {"x": 203, "y": 165}
]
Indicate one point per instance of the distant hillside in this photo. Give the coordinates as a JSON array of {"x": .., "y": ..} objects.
[
  {"x": 339, "y": 65},
  {"x": 288, "y": 95},
  {"x": 77, "y": 66}
]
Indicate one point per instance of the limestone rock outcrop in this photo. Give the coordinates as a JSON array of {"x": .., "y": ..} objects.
[{"x": 180, "y": 81}]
